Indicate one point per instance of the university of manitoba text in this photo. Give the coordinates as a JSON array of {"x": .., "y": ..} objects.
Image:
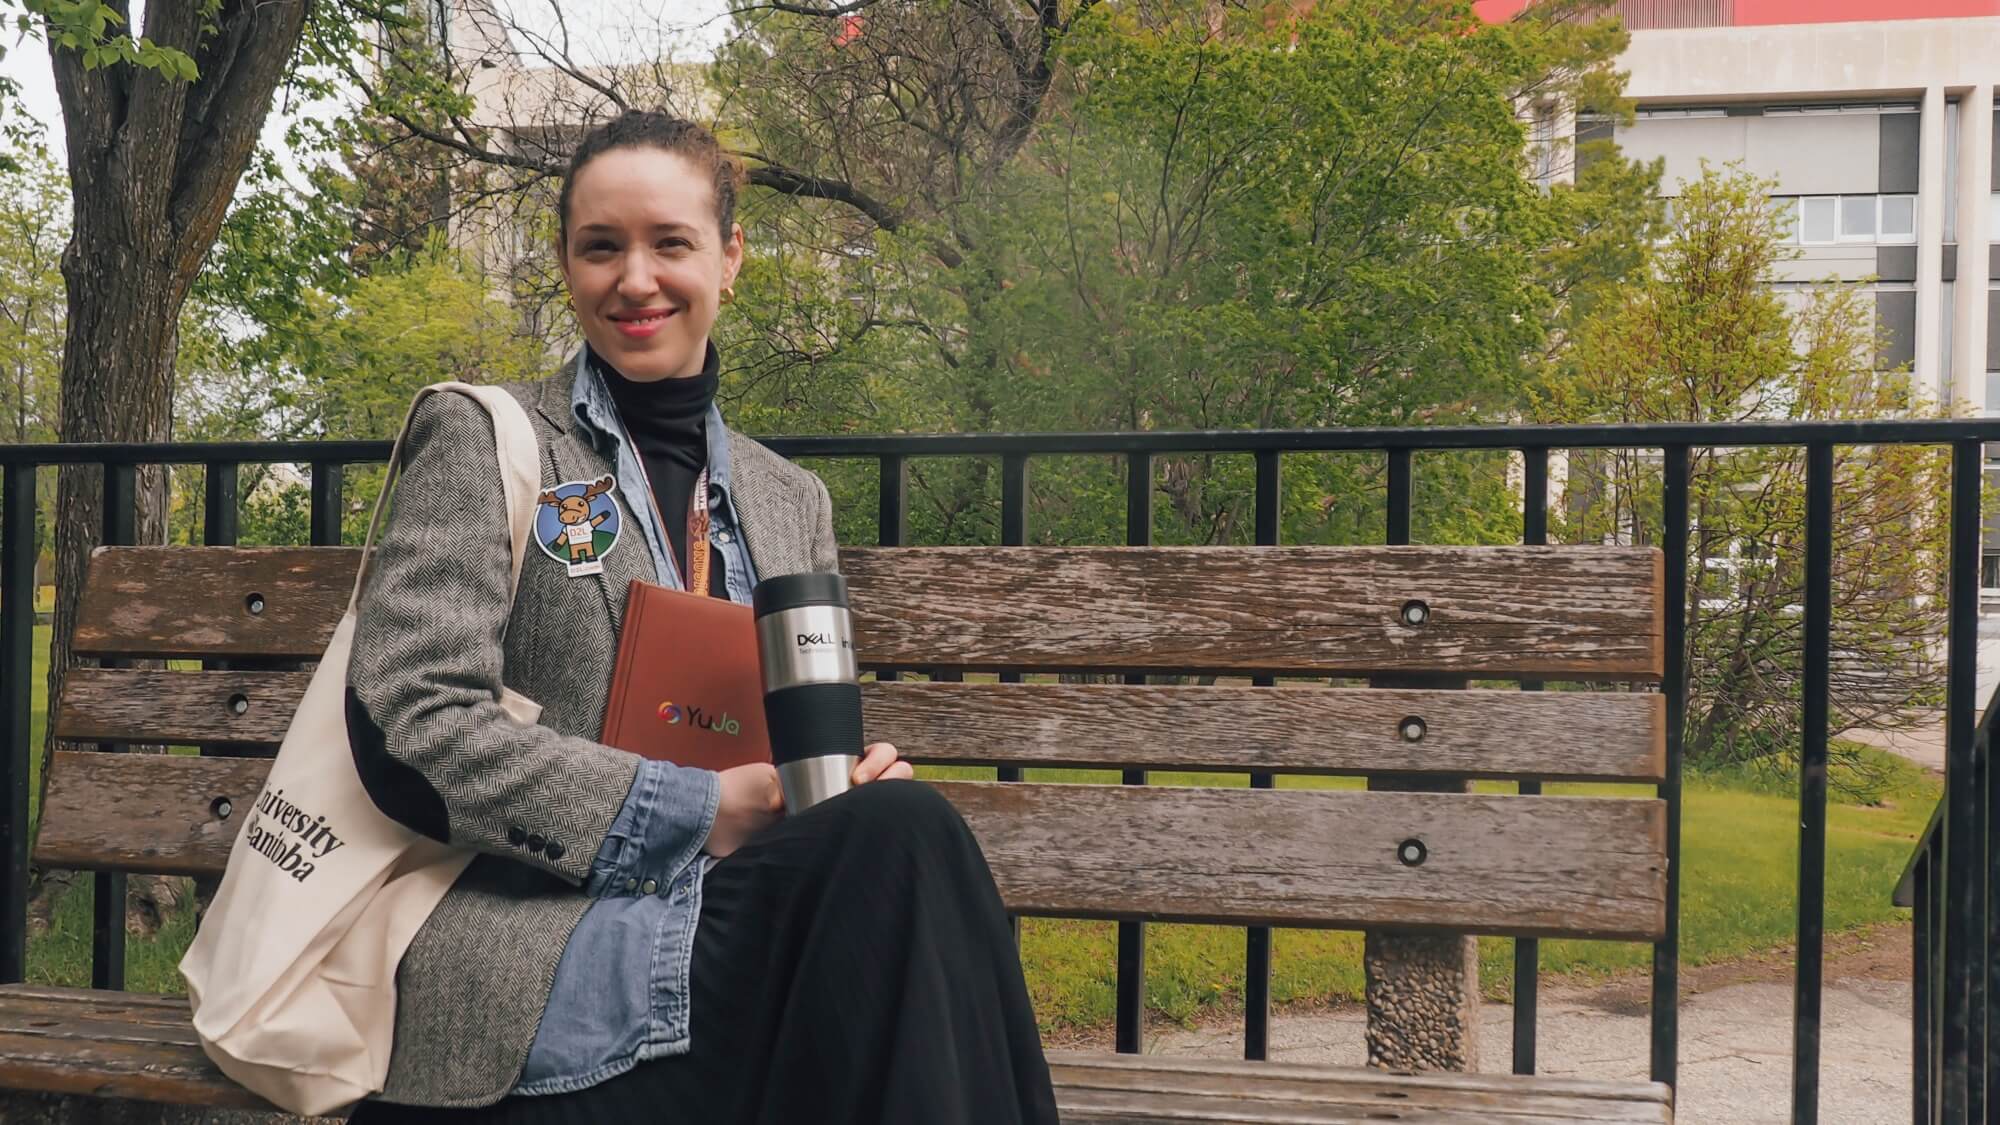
[{"x": 288, "y": 835}]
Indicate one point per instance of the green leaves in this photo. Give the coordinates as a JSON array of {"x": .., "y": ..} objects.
[{"x": 91, "y": 29}]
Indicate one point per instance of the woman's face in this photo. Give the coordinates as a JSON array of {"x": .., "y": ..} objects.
[{"x": 644, "y": 262}]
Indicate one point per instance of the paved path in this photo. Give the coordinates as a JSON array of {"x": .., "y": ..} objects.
[{"x": 1735, "y": 1048}]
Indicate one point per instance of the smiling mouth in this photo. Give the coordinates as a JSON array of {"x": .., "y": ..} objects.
[{"x": 650, "y": 316}]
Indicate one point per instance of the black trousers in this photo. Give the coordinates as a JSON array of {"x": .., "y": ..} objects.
[{"x": 852, "y": 964}]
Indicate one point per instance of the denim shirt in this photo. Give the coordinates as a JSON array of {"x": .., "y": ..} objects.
[{"x": 621, "y": 991}]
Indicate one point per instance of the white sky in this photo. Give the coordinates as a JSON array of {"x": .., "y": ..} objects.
[{"x": 599, "y": 33}]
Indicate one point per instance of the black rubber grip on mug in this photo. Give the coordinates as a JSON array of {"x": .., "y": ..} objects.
[{"x": 813, "y": 720}]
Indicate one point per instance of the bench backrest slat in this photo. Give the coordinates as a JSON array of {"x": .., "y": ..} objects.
[
  {"x": 1601, "y": 736},
  {"x": 1289, "y": 857},
  {"x": 1584, "y": 613}
]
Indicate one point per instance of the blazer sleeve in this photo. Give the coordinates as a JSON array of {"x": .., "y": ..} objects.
[
  {"x": 825, "y": 549},
  {"x": 430, "y": 740}
]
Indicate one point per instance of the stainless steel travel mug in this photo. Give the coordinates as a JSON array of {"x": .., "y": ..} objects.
[{"x": 812, "y": 694}]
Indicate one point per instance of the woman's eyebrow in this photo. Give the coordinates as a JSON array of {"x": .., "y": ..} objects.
[{"x": 671, "y": 226}]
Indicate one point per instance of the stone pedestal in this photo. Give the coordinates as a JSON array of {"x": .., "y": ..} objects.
[{"x": 1423, "y": 1001}]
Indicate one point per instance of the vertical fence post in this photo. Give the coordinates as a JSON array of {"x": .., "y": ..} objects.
[
  {"x": 892, "y": 520},
  {"x": 1131, "y": 1000},
  {"x": 1964, "y": 851},
  {"x": 1257, "y": 939},
  {"x": 1528, "y": 951},
  {"x": 1666, "y": 1006},
  {"x": 1013, "y": 533},
  {"x": 17, "y": 649},
  {"x": 326, "y": 480},
  {"x": 107, "y": 936},
  {"x": 219, "y": 517},
  {"x": 1812, "y": 784}
]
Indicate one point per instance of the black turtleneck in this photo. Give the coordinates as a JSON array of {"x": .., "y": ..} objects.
[{"x": 668, "y": 423}]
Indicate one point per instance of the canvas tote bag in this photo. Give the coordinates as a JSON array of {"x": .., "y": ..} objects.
[{"x": 292, "y": 975}]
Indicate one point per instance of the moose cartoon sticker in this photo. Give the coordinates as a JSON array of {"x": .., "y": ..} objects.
[{"x": 578, "y": 522}]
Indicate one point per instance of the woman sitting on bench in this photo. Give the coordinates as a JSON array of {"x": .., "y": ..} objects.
[{"x": 638, "y": 941}]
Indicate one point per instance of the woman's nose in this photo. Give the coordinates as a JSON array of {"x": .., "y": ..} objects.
[{"x": 635, "y": 281}]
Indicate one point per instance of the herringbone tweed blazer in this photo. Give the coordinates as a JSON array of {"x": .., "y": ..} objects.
[{"x": 435, "y": 642}]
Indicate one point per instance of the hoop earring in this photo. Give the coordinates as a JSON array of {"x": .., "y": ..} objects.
[{"x": 728, "y": 294}]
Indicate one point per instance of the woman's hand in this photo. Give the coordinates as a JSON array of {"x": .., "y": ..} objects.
[
  {"x": 751, "y": 802},
  {"x": 879, "y": 763}
]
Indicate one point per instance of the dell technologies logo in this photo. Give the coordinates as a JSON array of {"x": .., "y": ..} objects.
[{"x": 824, "y": 640}]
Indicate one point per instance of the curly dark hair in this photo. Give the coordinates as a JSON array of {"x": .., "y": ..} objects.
[{"x": 651, "y": 128}]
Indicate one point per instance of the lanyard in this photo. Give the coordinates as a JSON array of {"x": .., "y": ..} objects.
[{"x": 697, "y": 529}]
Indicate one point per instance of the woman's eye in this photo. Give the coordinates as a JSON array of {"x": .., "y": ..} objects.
[
  {"x": 598, "y": 247},
  {"x": 674, "y": 244}
]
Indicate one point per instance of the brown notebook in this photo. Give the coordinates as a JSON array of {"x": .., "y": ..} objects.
[{"x": 687, "y": 687}]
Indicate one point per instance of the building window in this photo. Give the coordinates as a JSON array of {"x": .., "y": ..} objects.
[
  {"x": 1989, "y": 571},
  {"x": 1817, "y": 226},
  {"x": 1899, "y": 218},
  {"x": 1857, "y": 218}
]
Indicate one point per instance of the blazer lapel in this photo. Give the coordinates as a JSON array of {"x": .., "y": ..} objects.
[
  {"x": 768, "y": 508},
  {"x": 572, "y": 458}
]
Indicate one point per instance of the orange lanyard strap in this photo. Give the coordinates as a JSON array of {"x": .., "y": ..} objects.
[{"x": 697, "y": 543}]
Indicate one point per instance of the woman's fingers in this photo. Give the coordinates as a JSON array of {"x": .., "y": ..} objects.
[{"x": 878, "y": 757}]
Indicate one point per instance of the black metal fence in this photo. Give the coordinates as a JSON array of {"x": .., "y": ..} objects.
[{"x": 1952, "y": 873}]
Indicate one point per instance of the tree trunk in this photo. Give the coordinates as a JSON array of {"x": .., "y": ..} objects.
[{"x": 153, "y": 162}]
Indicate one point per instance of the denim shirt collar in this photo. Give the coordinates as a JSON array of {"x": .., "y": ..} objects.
[{"x": 597, "y": 414}]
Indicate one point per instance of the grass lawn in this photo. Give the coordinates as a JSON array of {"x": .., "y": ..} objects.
[{"x": 1740, "y": 856}]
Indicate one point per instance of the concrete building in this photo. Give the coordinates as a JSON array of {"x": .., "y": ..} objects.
[{"x": 1875, "y": 119}]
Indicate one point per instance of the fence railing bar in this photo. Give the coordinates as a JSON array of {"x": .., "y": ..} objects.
[
  {"x": 1812, "y": 785},
  {"x": 1269, "y": 513},
  {"x": 1932, "y": 431},
  {"x": 1963, "y": 851},
  {"x": 17, "y": 686},
  {"x": 107, "y": 923},
  {"x": 1666, "y": 1001},
  {"x": 1528, "y": 951}
]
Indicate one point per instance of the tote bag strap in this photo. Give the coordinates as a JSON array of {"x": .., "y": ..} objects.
[{"x": 519, "y": 457}]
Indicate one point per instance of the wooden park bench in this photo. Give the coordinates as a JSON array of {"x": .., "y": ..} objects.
[{"x": 1391, "y": 859}]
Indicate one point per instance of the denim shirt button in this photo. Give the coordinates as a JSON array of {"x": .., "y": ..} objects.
[
  {"x": 722, "y": 536},
  {"x": 631, "y": 884},
  {"x": 649, "y": 886}
]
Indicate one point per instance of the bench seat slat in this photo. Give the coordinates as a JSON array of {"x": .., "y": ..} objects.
[
  {"x": 1545, "y": 612},
  {"x": 1232, "y": 856},
  {"x": 1606, "y": 736},
  {"x": 1350, "y": 1089},
  {"x": 80, "y": 1041}
]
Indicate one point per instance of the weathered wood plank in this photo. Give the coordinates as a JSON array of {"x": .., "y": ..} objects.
[
  {"x": 1304, "y": 729},
  {"x": 81, "y": 1041},
  {"x": 1091, "y": 1106},
  {"x": 123, "y": 706},
  {"x": 198, "y": 602},
  {"x": 1292, "y": 1084},
  {"x": 173, "y": 1074},
  {"x": 1541, "y": 866},
  {"x": 155, "y": 813},
  {"x": 1549, "y": 612},
  {"x": 1165, "y": 1066},
  {"x": 1535, "y": 866}
]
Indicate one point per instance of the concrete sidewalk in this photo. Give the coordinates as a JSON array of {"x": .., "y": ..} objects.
[{"x": 1735, "y": 1056}]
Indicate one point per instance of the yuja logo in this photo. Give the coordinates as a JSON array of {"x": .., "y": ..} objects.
[{"x": 673, "y": 713}]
